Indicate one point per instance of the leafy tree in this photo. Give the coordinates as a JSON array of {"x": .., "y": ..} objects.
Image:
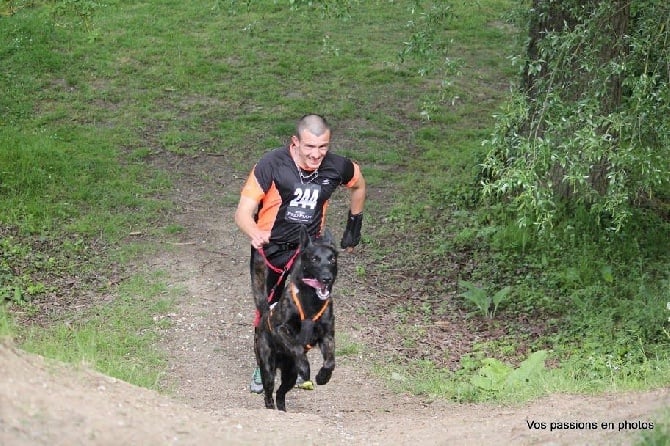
[{"x": 589, "y": 126}]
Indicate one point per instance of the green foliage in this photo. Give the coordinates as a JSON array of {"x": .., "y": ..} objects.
[
  {"x": 427, "y": 44},
  {"x": 18, "y": 267},
  {"x": 605, "y": 296},
  {"x": 569, "y": 140},
  {"x": 495, "y": 376},
  {"x": 118, "y": 339},
  {"x": 74, "y": 13},
  {"x": 601, "y": 292},
  {"x": 340, "y": 9},
  {"x": 425, "y": 41},
  {"x": 660, "y": 435},
  {"x": 491, "y": 376},
  {"x": 347, "y": 347},
  {"x": 479, "y": 379},
  {"x": 7, "y": 325},
  {"x": 485, "y": 302}
]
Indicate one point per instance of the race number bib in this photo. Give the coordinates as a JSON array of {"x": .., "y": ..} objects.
[{"x": 302, "y": 207}]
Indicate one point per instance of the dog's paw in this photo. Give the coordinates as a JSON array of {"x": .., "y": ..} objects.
[{"x": 323, "y": 376}]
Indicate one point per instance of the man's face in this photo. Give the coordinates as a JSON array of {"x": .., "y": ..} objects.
[{"x": 310, "y": 149}]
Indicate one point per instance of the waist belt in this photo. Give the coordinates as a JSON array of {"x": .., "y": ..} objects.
[
  {"x": 273, "y": 248},
  {"x": 285, "y": 246}
]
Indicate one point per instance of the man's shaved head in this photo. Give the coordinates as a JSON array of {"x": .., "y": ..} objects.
[{"x": 315, "y": 124}]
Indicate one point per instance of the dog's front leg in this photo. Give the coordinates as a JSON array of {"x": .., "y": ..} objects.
[
  {"x": 327, "y": 347},
  {"x": 288, "y": 340},
  {"x": 302, "y": 366}
]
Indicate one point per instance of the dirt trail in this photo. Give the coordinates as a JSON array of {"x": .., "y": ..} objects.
[{"x": 210, "y": 347}]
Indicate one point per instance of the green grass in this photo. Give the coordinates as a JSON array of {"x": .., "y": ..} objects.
[
  {"x": 7, "y": 325},
  {"x": 347, "y": 347},
  {"x": 89, "y": 96},
  {"x": 660, "y": 435},
  {"x": 71, "y": 180},
  {"x": 112, "y": 337}
]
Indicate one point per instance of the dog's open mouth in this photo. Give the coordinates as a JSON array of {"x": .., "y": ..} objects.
[{"x": 321, "y": 290}]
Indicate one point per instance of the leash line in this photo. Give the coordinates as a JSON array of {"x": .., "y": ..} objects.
[
  {"x": 282, "y": 272},
  {"x": 275, "y": 268}
]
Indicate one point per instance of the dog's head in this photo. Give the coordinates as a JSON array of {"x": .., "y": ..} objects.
[{"x": 318, "y": 262}]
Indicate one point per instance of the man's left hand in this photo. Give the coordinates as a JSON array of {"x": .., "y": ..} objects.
[{"x": 352, "y": 232}]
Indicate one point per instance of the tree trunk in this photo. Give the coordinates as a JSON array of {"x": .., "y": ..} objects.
[{"x": 551, "y": 16}]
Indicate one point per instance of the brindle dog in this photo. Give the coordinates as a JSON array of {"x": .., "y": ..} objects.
[{"x": 303, "y": 317}]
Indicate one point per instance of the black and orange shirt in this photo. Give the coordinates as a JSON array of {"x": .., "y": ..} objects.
[{"x": 288, "y": 199}]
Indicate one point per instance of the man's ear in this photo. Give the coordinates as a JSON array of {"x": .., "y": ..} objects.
[{"x": 295, "y": 142}]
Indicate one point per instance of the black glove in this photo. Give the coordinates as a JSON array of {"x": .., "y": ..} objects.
[{"x": 352, "y": 233}]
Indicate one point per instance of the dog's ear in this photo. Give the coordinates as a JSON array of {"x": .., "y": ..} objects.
[
  {"x": 304, "y": 237},
  {"x": 327, "y": 236}
]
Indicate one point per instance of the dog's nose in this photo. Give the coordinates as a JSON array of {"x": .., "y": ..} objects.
[{"x": 327, "y": 279}]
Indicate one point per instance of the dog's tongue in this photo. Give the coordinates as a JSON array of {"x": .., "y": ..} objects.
[
  {"x": 312, "y": 282},
  {"x": 321, "y": 290}
]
